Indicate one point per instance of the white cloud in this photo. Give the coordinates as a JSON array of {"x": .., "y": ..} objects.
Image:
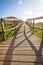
[
  {"x": 40, "y": 13},
  {"x": 27, "y": 12},
  {"x": 20, "y": 2},
  {"x": 37, "y": 9}
]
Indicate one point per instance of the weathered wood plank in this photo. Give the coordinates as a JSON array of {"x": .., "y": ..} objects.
[
  {"x": 21, "y": 58},
  {"x": 2, "y": 25},
  {"x": 19, "y": 63}
]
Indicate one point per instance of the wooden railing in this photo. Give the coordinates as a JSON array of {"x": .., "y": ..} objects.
[
  {"x": 29, "y": 22},
  {"x": 17, "y": 26}
]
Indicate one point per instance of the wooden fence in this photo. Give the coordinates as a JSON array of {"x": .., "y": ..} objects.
[
  {"x": 17, "y": 26},
  {"x": 33, "y": 27}
]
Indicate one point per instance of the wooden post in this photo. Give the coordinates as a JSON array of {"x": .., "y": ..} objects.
[
  {"x": 2, "y": 24},
  {"x": 15, "y": 23},
  {"x": 42, "y": 34},
  {"x": 33, "y": 26}
]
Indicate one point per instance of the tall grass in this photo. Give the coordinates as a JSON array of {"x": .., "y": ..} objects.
[
  {"x": 38, "y": 32},
  {"x": 7, "y": 34}
]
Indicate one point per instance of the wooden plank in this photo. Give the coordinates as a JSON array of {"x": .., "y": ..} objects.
[
  {"x": 20, "y": 58},
  {"x": 28, "y": 47},
  {"x": 18, "y": 63},
  {"x": 21, "y": 52}
]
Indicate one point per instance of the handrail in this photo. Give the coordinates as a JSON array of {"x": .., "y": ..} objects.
[
  {"x": 34, "y": 27},
  {"x": 12, "y": 28},
  {"x": 36, "y": 18},
  {"x": 33, "y": 24},
  {"x": 37, "y": 28}
]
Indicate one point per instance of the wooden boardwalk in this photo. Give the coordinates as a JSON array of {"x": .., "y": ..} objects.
[{"x": 22, "y": 49}]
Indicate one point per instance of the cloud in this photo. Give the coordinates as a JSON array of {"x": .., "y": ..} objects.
[
  {"x": 37, "y": 9},
  {"x": 28, "y": 12},
  {"x": 40, "y": 13},
  {"x": 20, "y": 2}
]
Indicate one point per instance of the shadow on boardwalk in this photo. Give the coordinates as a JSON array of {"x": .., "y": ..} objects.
[
  {"x": 39, "y": 59},
  {"x": 8, "y": 58}
]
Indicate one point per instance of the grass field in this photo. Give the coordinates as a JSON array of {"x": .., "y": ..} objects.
[
  {"x": 7, "y": 34},
  {"x": 38, "y": 32}
]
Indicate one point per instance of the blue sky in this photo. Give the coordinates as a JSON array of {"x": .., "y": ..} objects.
[{"x": 22, "y": 9}]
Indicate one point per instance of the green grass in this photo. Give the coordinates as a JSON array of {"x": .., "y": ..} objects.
[
  {"x": 10, "y": 34},
  {"x": 38, "y": 32},
  {"x": 8, "y": 26},
  {"x": 38, "y": 25},
  {"x": 7, "y": 34}
]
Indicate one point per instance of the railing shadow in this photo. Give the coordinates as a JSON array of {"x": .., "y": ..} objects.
[
  {"x": 8, "y": 58},
  {"x": 20, "y": 32},
  {"x": 40, "y": 58},
  {"x": 31, "y": 44},
  {"x": 38, "y": 53}
]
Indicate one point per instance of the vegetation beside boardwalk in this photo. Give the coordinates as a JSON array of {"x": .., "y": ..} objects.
[
  {"x": 38, "y": 32},
  {"x": 7, "y": 34},
  {"x": 36, "y": 29}
]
